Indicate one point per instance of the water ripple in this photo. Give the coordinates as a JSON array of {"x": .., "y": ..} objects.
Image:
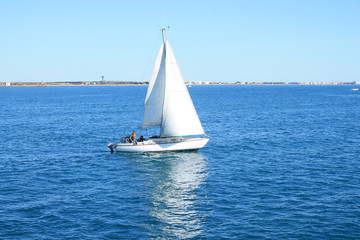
[{"x": 282, "y": 163}]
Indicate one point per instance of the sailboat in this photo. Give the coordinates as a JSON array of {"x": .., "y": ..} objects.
[{"x": 167, "y": 104}]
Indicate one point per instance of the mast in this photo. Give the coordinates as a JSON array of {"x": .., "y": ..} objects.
[
  {"x": 163, "y": 34},
  {"x": 163, "y": 103}
]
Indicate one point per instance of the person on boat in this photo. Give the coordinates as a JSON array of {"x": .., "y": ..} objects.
[
  {"x": 132, "y": 137},
  {"x": 126, "y": 139},
  {"x": 141, "y": 139}
]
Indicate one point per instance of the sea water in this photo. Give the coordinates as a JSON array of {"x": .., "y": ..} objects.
[{"x": 283, "y": 162}]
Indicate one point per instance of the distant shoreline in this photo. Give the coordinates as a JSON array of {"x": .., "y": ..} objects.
[
  {"x": 120, "y": 83},
  {"x": 71, "y": 84}
]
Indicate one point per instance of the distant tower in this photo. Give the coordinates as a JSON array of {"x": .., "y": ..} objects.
[{"x": 103, "y": 80}]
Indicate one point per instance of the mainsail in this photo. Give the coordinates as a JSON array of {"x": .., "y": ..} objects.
[{"x": 168, "y": 102}]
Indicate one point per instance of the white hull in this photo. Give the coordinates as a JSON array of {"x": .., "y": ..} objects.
[{"x": 163, "y": 145}]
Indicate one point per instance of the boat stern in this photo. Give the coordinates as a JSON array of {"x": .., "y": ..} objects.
[{"x": 111, "y": 146}]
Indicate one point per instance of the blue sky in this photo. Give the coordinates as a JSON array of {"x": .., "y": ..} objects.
[{"x": 225, "y": 41}]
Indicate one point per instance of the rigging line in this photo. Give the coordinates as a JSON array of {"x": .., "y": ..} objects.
[{"x": 150, "y": 60}]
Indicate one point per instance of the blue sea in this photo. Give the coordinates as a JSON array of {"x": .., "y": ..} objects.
[{"x": 283, "y": 162}]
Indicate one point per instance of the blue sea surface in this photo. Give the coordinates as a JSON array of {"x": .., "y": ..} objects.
[{"x": 283, "y": 162}]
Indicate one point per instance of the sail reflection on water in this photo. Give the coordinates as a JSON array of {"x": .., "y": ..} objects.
[{"x": 175, "y": 193}]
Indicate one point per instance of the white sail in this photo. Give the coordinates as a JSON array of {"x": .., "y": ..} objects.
[
  {"x": 155, "y": 94},
  {"x": 179, "y": 115}
]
